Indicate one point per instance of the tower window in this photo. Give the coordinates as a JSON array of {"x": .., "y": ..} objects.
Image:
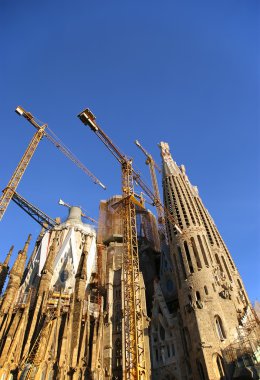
[
  {"x": 206, "y": 290},
  {"x": 239, "y": 283},
  {"x": 220, "y": 329},
  {"x": 208, "y": 249},
  {"x": 226, "y": 267},
  {"x": 218, "y": 262},
  {"x": 203, "y": 251},
  {"x": 181, "y": 262},
  {"x": 188, "y": 257},
  {"x": 213, "y": 286},
  {"x": 218, "y": 366},
  {"x": 196, "y": 253}
]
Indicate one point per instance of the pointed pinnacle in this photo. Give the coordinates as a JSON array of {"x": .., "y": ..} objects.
[
  {"x": 6, "y": 262},
  {"x": 25, "y": 249}
]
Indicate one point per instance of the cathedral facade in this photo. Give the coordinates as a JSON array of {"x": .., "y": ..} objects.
[{"x": 62, "y": 313}]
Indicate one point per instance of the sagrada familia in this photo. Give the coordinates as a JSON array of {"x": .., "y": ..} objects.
[{"x": 62, "y": 307}]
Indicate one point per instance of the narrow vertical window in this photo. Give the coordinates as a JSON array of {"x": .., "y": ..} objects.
[
  {"x": 220, "y": 367},
  {"x": 181, "y": 262},
  {"x": 219, "y": 327},
  {"x": 218, "y": 262},
  {"x": 227, "y": 270},
  {"x": 198, "y": 296},
  {"x": 206, "y": 290},
  {"x": 188, "y": 257},
  {"x": 196, "y": 253},
  {"x": 203, "y": 251},
  {"x": 206, "y": 245}
]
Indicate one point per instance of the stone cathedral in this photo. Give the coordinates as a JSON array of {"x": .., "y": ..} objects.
[{"x": 61, "y": 305}]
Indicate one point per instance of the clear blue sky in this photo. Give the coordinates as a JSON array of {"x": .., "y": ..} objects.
[{"x": 185, "y": 72}]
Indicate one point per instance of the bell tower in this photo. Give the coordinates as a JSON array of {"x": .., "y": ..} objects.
[{"x": 212, "y": 298}]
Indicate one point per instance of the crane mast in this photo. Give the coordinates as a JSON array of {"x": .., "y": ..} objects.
[
  {"x": 134, "y": 361},
  {"x": 159, "y": 209},
  {"x": 19, "y": 171}
]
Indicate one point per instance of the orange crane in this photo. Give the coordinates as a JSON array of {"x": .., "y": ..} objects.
[
  {"x": 160, "y": 210},
  {"x": 134, "y": 361},
  {"x": 10, "y": 189}
]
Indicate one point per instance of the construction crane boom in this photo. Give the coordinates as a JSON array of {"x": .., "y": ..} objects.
[
  {"x": 160, "y": 209},
  {"x": 134, "y": 360},
  {"x": 73, "y": 158},
  {"x": 39, "y": 216},
  {"x": 152, "y": 165},
  {"x": 9, "y": 191},
  {"x": 148, "y": 156},
  {"x": 57, "y": 142}
]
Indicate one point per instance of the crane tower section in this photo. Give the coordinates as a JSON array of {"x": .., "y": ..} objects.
[
  {"x": 19, "y": 171},
  {"x": 134, "y": 360}
]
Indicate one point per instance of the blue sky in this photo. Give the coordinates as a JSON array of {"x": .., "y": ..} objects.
[{"x": 185, "y": 72}]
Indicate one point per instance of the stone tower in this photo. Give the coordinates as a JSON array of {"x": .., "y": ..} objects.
[
  {"x": 49, "y": 312},
  {"x": 110, "y": 263},
  {"x": 4, "y": 269},
  {"x": 213, "y": 303}
]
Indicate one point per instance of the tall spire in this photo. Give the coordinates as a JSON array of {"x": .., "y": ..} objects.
[
  {"x": 169, "y": 166},
  {"x": 7, "y": 259},
  {"x": 15, "y": 279},
  {"x": 4, "y": 268},
  {"x": 203, "y": 268}
]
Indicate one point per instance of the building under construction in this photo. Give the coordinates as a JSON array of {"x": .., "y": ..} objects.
[{"x": 138, "y": 297}]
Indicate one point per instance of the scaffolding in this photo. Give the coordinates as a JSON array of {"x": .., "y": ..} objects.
[{"x": 244, "y": 352}]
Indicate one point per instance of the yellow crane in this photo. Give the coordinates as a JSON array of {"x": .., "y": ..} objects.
[
  {"x": 41, "y": 130},
  {"x": 134, "y": 360},
  {"x": 159, "y": 209}
]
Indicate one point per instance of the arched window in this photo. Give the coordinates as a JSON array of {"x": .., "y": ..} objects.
[
  {"x": 188, "y": 257},
  {"x": 181, "y": 262},
  {"x": 219, "y": 328},
  {"x": 226, "y": 267},
  {"x": 218, "y": 367},
  {"x": 203, "y": 251},
  {"x": 196, "y": 253}
]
